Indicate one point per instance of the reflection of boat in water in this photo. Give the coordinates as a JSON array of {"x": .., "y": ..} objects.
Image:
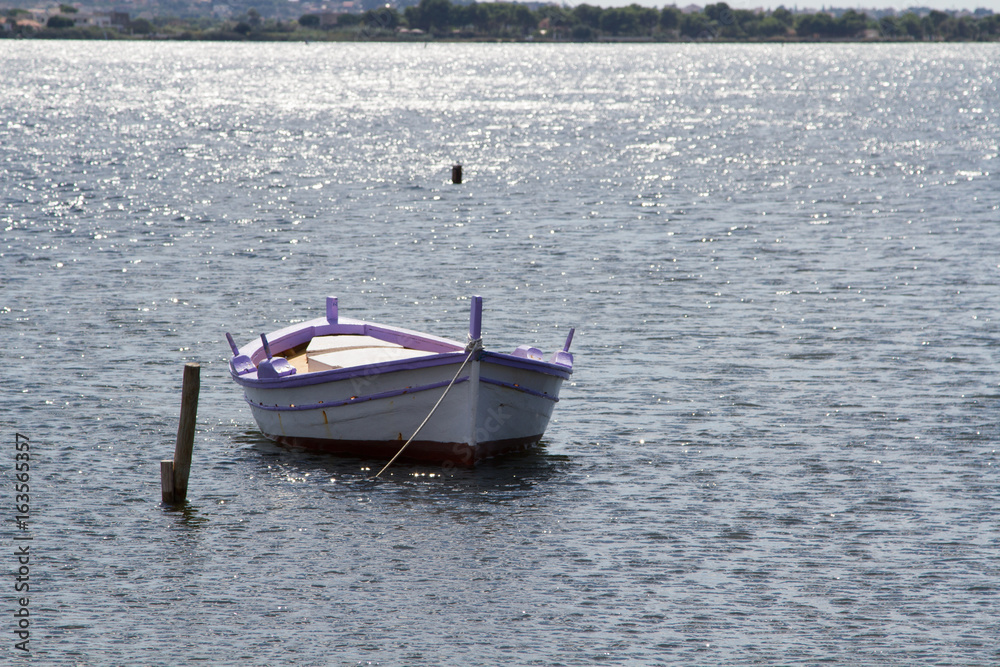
[{"x": 350, "y": 387}]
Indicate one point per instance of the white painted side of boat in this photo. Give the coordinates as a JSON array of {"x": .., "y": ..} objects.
[
  {"x": 472, "y": 405},
  {"x": 378, "y": 419},
  {"x": 505, "y": 413},
  {"x": 369, "y": 382},
  {"x": 500, "y": 412}
]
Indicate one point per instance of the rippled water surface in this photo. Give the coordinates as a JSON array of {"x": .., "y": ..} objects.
[{"x": 779, "y": 444}]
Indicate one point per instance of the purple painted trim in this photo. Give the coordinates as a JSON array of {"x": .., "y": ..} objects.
[
  {"x": 445, "y": 351},
  {"x": 340, "y": 374},
  {"x": 336, "y": 375},
  {"x": 232, "y": 345},
  {"x": 413, "y": 339},
  {"x": 476, "y": 318},
  {"x": 562, "y": 358},
  {"x": 543, "y": 367},
  {"x": 240, "y": 364},
  {"x": 273, "y": 368},
  {"x": 289, "y": 337},
  {"x": 354, "y": 399},
  {"x": 519, "y": 388},
  {"x": 331, "y": 309}
]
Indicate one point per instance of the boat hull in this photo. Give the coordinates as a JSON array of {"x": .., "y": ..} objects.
[
  {"x": 448, "y": 454},
  {"x": 372, "y": 414},
  {"x": 454, "y": 404}
]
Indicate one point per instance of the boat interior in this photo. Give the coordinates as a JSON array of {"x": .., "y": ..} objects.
[{"x": 324, "y": 353}]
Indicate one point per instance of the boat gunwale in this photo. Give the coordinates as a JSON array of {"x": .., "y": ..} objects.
[
  {"x": 298, "y": 334},
  {"x": 393, "y": 393}
]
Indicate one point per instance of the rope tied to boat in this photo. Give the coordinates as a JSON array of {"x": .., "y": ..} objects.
[{"x": 474, "y": 346}]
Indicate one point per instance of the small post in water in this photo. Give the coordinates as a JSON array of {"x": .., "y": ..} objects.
[
  {"x": 456, "y": 174},
  {"x": 181, "y": 465},
  {"x": 167, "y": 481}
]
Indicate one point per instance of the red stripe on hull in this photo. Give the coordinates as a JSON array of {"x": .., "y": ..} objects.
[{"x": 419, "y": 451}]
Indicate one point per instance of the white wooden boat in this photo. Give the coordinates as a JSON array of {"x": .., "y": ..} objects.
[{"x": 350, "y": 387}]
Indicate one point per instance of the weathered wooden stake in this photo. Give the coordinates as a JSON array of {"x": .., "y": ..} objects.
[
  {"x": 456, "y": 174},
  {"x": 181, "y": 464},
  {"x": 167, "y": 481}
]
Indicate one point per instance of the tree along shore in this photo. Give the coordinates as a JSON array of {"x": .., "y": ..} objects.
[{"x": 492, "y": 21}]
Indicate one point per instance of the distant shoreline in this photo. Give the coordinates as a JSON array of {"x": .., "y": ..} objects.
[
  {"x": 73, "y": 35},
  {"x": 489, "y": 22}
]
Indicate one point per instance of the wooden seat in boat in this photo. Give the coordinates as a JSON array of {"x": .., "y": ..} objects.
[{"x": 331, "y": 352}]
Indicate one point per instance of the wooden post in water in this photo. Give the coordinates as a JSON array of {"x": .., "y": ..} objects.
[
  {"x": 175, "y": 473},
  {"x": 456, "y": 174},
  {"x": 167, "y": 481}
]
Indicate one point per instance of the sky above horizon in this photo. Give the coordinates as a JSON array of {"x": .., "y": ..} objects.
[{"x": 957, "y": 5}]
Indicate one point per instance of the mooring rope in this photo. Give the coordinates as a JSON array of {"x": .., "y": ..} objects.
[{"x": 471, "y": 348}]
